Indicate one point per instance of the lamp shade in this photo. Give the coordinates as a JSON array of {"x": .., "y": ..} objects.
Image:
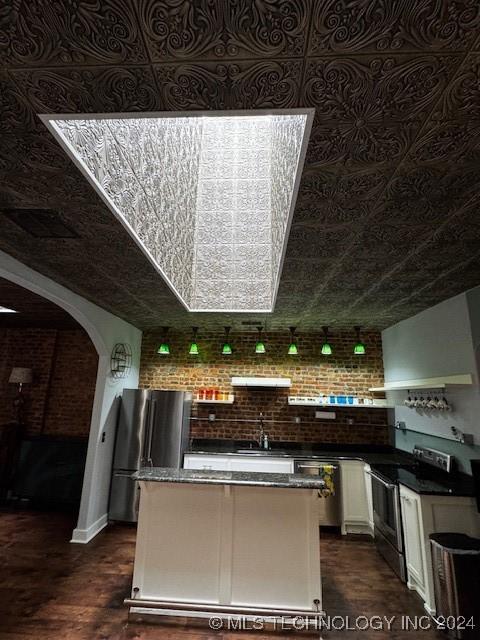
[{"x": 20, "y": 375}]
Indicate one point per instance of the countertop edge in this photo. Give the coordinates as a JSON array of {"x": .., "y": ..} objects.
[{"x": 237, "y": 478}]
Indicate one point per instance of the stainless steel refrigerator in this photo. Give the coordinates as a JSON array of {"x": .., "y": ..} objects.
[{"x": 153, "y": 430}]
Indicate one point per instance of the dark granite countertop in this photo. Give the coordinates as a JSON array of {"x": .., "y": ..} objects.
[
  {"x": 423, "y": 480},
  {"x": 369, "y": 453},
  {"x": 393, "y": 464},
  {"x": 243, "y": 478}
]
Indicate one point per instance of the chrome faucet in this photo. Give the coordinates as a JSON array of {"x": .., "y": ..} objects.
[{"x": 262, "y": 436}]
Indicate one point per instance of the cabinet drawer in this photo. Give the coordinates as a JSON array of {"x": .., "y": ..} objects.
[
  {"x": 263, "y": 465},
  {"x": 217, "y": 463}
]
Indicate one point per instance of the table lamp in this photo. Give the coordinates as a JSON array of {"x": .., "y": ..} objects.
[{"x": 20, "y": 376}]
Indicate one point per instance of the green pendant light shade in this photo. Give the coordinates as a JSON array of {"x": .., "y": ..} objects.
[
  {"x": 260, "y": 344},
  {"x": 292, "y": 348},
  {"x": 164, "y": 348},
  {"x": 326, "y": 346},
  {"x": 193, "y": 351},
  {"x": 359, "y": 348},
  {"x": 227, "y": 347}
]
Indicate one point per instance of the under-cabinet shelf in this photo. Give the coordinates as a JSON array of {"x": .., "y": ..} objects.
[
  {"x": 301, "y": 402},
  {"x": 425, "y": 383}
]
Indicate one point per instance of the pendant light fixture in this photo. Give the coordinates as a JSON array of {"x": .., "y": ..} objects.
[
  {"x": 193, "y": 351},
  {"x": 260, "y": 344},
  {"x": 164, "y": 348},
  {"x": 326, "y": 346},
  {"x": 292, "y": 348},
  {"x": 227, "y": 347},
  {"x": 359, "y": 348}
]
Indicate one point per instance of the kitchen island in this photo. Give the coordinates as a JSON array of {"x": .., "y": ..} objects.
[{"x": 221, "y": 543}]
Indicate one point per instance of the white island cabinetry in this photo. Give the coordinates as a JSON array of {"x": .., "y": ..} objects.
[{"x": 226, "y": 543}]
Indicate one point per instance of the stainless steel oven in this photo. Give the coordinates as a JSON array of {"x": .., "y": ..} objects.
[{"x": 388, "y": 523}]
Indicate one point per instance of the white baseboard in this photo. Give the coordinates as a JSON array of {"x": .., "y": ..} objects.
[
  {"x": 358, "y": 528},
  {"x": 83, "y": 536}
]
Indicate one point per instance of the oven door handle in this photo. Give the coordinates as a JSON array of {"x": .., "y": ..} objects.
[
  {"x": 389, "y": 485},
  {"x": 316, "y": 466}
]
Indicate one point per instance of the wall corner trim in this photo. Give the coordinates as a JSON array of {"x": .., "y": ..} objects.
[{"x": 83, "y": 536}]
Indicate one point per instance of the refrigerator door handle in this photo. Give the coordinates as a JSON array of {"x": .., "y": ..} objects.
[
  {"x": 143, "y": 460},
  {"x": 151, "y": 423},
  {"x": 124, "y": 474}
]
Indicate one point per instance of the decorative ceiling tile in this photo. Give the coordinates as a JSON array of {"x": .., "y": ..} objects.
[
  {"x": 318, "y": 244},
  {"x": 242, "y": 85},
  {"x": 31, "y": 153},
  {"x": 45, "y": 189},
  {"x": 88, "y": 90},
  {"x": 41, "y": 32},
  {"x": 359, "y": 143},
  {"x": 431, "y": 193},
  {"x": 326, "y": 200},
  {"x": 385, "y": 26},
  {"x": 125, "y": 89},
  {"x": 247, "y": 29},
  {"x": 450, "y": 143},
  {"x": 66, "y": 91},
  {"x": 15, "y": 112},
  {"x": 462, "y": 97},
  {"x": 376, "y": 89}
]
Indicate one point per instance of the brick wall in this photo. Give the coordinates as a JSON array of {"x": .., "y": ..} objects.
[
  {"x": 311, "y": 374},
  {"x": 64, "y": 363}
]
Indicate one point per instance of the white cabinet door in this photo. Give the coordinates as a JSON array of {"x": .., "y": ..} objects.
[
  {"x": 423, "y": 515},
  {"x": 195, "y": 461},
  {"x": 264, "y": 465},
  {"x": 355, "y": 501},
  {"x": 238, "y": 463},
  {"x": 368, "y": 486},
  {"x": 411, "y": 508}
]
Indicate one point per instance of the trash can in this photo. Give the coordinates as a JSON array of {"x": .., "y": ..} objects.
[{"x": 456, "y": 579}]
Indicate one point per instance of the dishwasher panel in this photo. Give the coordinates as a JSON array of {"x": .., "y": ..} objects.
[{"x": 329, "y": 509}]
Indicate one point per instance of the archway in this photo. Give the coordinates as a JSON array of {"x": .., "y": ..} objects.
[
  {"x": 48, "y": 371},
  {"x": 105, "y": 330}
]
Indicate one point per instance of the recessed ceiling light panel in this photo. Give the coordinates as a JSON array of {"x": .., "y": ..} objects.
[
  {"x": 7, "y": 310},
  {"x": 209, "y": 197}
]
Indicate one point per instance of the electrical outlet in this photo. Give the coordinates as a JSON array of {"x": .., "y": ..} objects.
[{"x": 211, "y": 417}]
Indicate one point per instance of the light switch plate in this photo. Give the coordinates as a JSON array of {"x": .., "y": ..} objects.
[{"x": 325, "y": 415}]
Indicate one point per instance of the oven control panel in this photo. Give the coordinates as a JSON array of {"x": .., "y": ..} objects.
[{"x": 433, "y": 457}]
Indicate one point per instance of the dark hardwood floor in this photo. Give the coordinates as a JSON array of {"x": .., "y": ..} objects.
[{"x": 53, "y": 590}]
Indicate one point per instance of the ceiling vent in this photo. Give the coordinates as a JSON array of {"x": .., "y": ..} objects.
[{"x": 40, "y": 223}]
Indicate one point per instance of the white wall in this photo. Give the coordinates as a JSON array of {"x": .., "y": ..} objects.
[
  {"x": 437, "y": 342},
  {"x": 105, "y": 330}
]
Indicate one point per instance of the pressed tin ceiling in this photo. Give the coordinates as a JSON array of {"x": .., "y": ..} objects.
[
  {"x": 386, "y": 221},
  {"x": 21, "y": 308},
  {"x": 209, "y": 198}
]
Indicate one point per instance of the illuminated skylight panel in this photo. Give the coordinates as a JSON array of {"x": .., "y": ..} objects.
[
  {"x": 233, "y": 268},
  {"x": 209, "y": 198}
]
